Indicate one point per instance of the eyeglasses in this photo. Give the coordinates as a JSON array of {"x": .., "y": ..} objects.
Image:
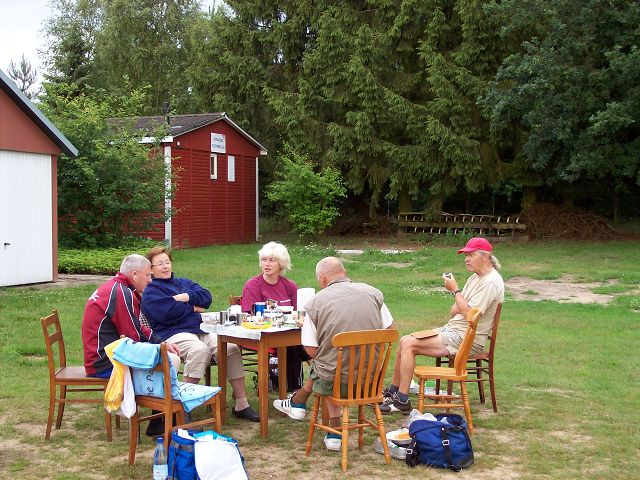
[{"x": 161, "y": 264}]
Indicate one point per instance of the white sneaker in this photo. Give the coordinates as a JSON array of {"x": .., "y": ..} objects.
[
  {"x": 292, "y": 409},
  {"x": 333, "y": 444}
]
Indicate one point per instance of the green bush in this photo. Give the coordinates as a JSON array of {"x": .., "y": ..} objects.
[
  {"x": 104, "y": 261},
  {"x": 307, "y": 199}
]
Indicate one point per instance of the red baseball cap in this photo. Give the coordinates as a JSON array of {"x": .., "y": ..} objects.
[{"x": 476, "y": 243}]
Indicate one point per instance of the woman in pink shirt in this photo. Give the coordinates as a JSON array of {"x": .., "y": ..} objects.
[{"x": 272, "y": 285}]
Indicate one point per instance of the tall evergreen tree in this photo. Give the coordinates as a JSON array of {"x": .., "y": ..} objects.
[
  {"x": 388, "y": 93},
  {"x": 25, "y": 76},
  {"x": 71, "y": 34}
]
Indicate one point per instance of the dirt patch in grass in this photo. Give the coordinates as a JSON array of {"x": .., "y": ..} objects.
[{"x": 562, "y": 290}]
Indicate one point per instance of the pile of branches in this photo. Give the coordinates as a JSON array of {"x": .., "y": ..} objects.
[{"x": 547, "y": 221}]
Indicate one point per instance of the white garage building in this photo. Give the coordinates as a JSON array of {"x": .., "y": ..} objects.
[{"x": 29, "y": 148}]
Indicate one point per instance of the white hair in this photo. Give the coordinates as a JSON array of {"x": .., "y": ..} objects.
[
  {"x": 133, "y": 262},
  {"x": 277, "y": 251},
  {"x": 494, "y": 261}
]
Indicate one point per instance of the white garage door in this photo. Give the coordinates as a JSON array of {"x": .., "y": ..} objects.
[{"x": 25, "y": 218}]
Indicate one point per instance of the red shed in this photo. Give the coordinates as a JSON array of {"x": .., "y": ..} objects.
[{"x": 215, "y": 163}]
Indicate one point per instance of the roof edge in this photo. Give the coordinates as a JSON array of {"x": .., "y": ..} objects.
[{"x": 36, "y": 115}]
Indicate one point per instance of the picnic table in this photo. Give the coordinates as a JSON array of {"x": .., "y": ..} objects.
[{"x": 278, "y": 338}]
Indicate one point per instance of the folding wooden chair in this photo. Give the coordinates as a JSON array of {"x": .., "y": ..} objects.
[
  {"x": 69, "y": 379},
  {"x": 369, "y": 352}
]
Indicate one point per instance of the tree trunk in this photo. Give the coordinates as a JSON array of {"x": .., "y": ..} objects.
[
  {"x": 528, "y": 197},
  {"x": 404, "y": 201}
]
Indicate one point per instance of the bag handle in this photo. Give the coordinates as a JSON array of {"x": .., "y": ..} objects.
[
  {"x": 447, "y": 450},
  {"x": 413, "y": 456}
]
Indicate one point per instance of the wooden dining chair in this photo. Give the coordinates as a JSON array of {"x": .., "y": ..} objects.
[
  {"x": 369, "y": 352},
  {"x": 166, "y": 407},
  {"x": 480, "y": 365},
  {"x": 67, "y": 379},
  {"x": 457, "y": 373}
]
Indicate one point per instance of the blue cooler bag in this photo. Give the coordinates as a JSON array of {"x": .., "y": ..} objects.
[
  {"x": 214, "y": 456},
  {"x": 181, "y": 459},
  {"x": 444, "y": 443}
]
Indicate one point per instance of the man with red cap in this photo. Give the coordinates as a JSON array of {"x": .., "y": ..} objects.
[{"x": 484, "y": 290}]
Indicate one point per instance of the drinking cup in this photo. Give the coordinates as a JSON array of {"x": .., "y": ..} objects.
[{"x": 259, "y": 307}]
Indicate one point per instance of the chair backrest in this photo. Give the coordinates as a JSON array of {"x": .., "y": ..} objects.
[
  {"x": 494, "y": 331},
  {"x": 369, "y": 352},
  {"x": 235, "y": 300},
  {"x": 164, "y": 366},
  {"x": 51, "y": 339},
  {"x": 460, "y": 363}
]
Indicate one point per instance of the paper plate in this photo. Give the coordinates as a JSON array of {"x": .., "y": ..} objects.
[
  {"x": 256, "y": 326},
  {"x": 399, "y": 441}
]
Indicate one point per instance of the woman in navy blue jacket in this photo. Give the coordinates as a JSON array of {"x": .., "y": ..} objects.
[{"x": 173, "y": 306}]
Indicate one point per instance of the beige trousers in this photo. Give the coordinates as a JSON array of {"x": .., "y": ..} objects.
[{"x": 196, "y": 351}]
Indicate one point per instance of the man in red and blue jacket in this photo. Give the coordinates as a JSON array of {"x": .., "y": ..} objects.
[{"x": 112, "y": 311}]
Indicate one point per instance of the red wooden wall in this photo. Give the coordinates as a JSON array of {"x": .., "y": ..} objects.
[{"x": 206, "y": 211}]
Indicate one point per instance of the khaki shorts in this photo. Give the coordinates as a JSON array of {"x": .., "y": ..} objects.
[
  {"x": 325, "y": 387},
  {"x": 452, "y": 340}
]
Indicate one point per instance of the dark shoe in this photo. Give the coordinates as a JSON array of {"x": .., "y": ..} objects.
[
  {"x": 393, "y": 404},
  {"x": 247, "y": 414},
  {"x": 386, "y": 391},
  {"x": 155, "y": 427}
]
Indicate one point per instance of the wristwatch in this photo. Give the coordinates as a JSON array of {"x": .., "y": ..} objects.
[{"x": 456, "y": 292}]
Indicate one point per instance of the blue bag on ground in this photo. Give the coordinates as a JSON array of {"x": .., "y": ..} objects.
[
  {"x": 444, "y": 443},
  {"x": 206, "y": 456},
  {"x": 182, "y": 460}
]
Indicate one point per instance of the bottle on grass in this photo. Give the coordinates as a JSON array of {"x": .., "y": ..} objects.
[{"x": 160, "y": 468}]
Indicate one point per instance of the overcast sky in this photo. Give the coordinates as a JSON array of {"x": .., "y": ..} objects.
[{"x": 20, "y": 25}]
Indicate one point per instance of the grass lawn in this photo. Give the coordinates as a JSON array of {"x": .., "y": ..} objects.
[{"x": 567, "y": 374}]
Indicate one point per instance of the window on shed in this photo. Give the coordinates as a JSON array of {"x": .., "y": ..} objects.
[
  {"x": 213, "y": 166},
  {"x": 231, "y": 168}
]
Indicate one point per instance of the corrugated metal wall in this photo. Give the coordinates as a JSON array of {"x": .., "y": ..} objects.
[{"x": 26, "y": 222}]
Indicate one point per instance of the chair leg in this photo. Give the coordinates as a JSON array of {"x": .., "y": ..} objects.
[
  {"x": 312, "y": 424},
  {"x": 467, "y": 407},
  {"x": 345, "y": 436},
  {"x": 134, "y": 435},
  {"x": 382, "y": 434},
  {"x": 492, "y": 387},
  {"x": 207, "y": 375},
  {"x": 61, "y": 403},
  {"x": 421, "y": 395},
  {"x": 480, "y": 380},
  {"x": 215, "y": 411},
  {"x": 168, "y": 425},
  {"x": 361, "y": 429},
  {"x": 52, "y": 408},
  {"x": 107, "y": 421}
]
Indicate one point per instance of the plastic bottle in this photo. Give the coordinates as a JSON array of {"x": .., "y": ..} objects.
[{"x": 160, "y": 468}]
